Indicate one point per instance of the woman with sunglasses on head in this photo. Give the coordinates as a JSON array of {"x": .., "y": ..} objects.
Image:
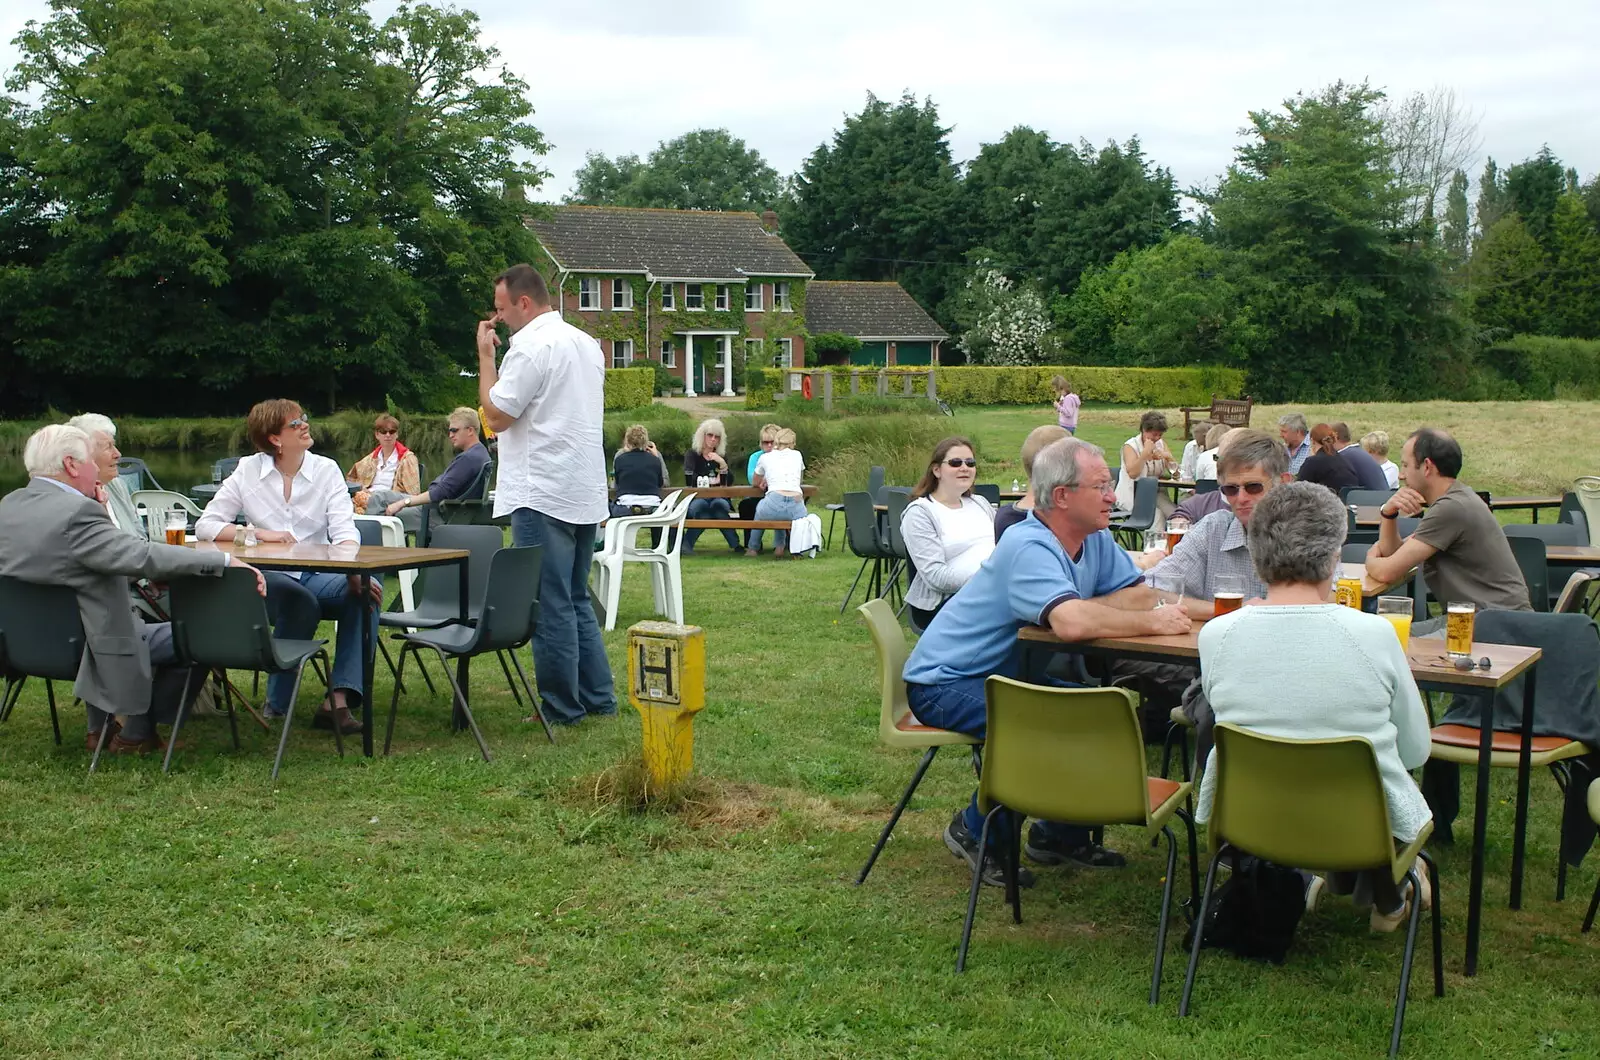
[
  {"x": 290, "y": 494},
  {"x": 706, "y": 464},
  {"x": 386, "y": 474},
  {"x": 948, "y": 531}
]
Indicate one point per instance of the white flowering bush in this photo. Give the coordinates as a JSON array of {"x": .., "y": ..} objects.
[{"x": 1006, "y": 321}]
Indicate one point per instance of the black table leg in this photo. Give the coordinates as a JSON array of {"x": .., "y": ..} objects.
[
  {"x": 366, "y": 665},
  {"x": 458, "y": 718},
  {"x": 1519, "y": 838},
  {"x": 1480, "y": 820}
]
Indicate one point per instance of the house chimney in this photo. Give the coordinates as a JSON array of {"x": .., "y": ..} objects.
[{"x": 769, "y": 221}]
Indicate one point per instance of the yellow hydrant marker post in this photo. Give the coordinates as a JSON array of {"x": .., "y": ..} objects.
[{"x": 667, "y": 686}]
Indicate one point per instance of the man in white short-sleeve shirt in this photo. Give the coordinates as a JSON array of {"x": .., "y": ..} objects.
[{"x": 546, "y": 401}]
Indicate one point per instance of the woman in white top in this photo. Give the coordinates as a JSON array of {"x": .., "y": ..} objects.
[
  {"x": 1205, "y": 465},
  {"x": 290, "y": 494},
  {"x": 1298, "y": 667},
  {"x": 1377, "y": 443},
  {"x": 1194, "y": 447},
  {"x": 1145, "y": 455},
  {"x": 948, "y": 532},
  {"x": 779, "y": 471}
]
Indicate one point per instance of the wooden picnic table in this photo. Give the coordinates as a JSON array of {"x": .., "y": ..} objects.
[
  {"x": 1572, "y": 555},
  {"x": 361, "y": 561},
  {"x": 1433, "y": 671},
  {"x": 726, "y": 492}
]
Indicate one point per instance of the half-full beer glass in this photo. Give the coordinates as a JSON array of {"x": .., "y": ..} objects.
[
  {"x": 177, "y": 526},
  {"x": 1459, "y": 617}
]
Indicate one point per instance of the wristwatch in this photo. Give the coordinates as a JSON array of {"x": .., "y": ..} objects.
[{"x": 1386, "y": 515}]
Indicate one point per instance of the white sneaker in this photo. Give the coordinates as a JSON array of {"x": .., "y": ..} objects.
[{"x": 1314, "y": 892}]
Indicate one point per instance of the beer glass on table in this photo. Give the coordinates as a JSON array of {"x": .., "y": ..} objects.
[
  {"x": 1397, "y": 610},
  {"x": 1168, "y": 588},
  {"x": 1229, "y": 596},
  {"x": 1459, "y": 617},
  {"x": 177, "y": 526},
  {"x": 1176, "y": 528}
]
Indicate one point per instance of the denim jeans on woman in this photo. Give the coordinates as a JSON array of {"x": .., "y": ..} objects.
[
  {"x": 710, "y": 508},
  {"x": 296, "y": 605},
  {"x": 569, "y": 659},
  {"x": 777, "y": 506},
  {"x": 960, "y": 707}
]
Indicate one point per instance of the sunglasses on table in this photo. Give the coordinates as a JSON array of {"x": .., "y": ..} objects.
[
  {"x": 1255, "y": 489},
  {"x": 956, "y": 461}
]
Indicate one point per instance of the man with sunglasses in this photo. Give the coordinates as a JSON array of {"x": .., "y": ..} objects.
[{"x": 455, "y": 480}]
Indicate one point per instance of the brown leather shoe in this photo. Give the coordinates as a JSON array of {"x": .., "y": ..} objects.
[
  {"x": 340, "y": 716},
  {"x": 153, "y": 745},
  {"x": 91, "y": 740}
]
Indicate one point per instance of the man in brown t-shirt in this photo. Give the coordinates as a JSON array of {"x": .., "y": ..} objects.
[{"x": 1459, "y": 544}]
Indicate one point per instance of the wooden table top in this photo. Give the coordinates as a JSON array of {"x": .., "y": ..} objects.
[
  {"x": 1368, "y": 514},
  {"x": 1588, "y": 555},
  {"x": 727, "y": 492},
  {"x": 335, "y": 559},
  {"x": 1429, "y": 663}
]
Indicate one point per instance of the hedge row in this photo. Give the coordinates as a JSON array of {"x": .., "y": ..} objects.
[
  {"x": 1154, "y": 387},
  {"x": 1538, "y": 366},
  {"x": 629, "y": 388}
]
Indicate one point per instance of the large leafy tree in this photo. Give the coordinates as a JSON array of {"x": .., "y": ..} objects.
[
  {"x": 1532, "y": 189},
  {"x": 1574, "y": 288},
  {"x": 879, "y": 201},
  {"x": 1506, "y": 283},
  {"x": 1352, "y": 301},
  {"x": 707, "y": 169},
  {"x": 255, "y": 198}
]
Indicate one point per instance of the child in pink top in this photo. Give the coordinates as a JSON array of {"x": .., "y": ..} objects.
[{"x": 1066, "y": 404}]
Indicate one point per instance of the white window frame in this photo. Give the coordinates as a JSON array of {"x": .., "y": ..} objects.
[
  {"x": 623, "y": 349},
  {"x": 780, "y": 297},
  {"x": 722, "y": 298},
  {"x": 588, "y": 292},
  {"x": 669, "y": 297},
  {"x": 621, "y": 294},
  {"x": 753, "y": 351},
  {"x": 692, "y": 291},
  {"x": 753, "y": 302},
  {"x": 669, "y": 353},
  {"x": 784, "y": 358},
  {"x": 724, "y": 351}
]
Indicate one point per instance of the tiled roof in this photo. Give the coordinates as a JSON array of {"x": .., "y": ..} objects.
[
  {"x": 879, "y": 310},
  {"x": 684, "y": 244}
]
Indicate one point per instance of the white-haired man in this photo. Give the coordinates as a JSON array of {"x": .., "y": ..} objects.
[
  {"x": 55, "y": 531},
  {"x": 1296, "y": 437},
  {"x": 104, "y": 453}
]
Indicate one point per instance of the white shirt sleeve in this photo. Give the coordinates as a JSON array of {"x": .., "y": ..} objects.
[
  {"x": 340, "y": 511},
  {"x": 223, "y": 508},
  {"x": 519, "y": 383}
]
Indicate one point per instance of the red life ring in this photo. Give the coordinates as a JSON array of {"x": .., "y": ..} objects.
[{"x": 805, "y": 387}]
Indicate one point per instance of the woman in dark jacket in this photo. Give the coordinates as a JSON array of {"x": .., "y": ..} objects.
[{"x": 706, "y": 464}]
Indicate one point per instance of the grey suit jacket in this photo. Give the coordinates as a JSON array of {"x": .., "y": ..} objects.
[{"x": 51, "y": 536}]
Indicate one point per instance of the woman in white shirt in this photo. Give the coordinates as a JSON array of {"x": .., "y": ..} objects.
[
  {"x": 948, "y": 532},
  {"x": 779, "y": 471},
  {"x": 290, "y": 494},
  {"x": 1205, "y": 465},
  {"x": 1145, "y": 455},
  {"x": 1298, "y": 667},
  {"x": 1377, "y": 443}
]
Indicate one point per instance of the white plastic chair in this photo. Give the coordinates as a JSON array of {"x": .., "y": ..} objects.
[
  {"x": 394, "y": 536},
  {"x": 163, "y": 501},
  {"x": 666, "y": 574}
]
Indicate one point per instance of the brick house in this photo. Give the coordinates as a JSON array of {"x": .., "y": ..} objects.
[
  {"x": 892, "y": 327},
  {"x": 703, "y": 292}
]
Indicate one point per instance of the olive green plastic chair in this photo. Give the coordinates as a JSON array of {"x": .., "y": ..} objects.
[
  {"x": 897, "y": 726},
  {"x": 1315, "y": 805},
  {"x": 1594, "y": 812},
  {"x": 1073, "y": 755}
]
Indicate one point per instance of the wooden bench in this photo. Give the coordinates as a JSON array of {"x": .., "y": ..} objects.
[{"x": 1235, "y": 412}]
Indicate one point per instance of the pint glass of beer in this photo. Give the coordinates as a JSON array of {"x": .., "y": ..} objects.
[
  {"x": 177, "y": 526},
  {"x": 1229, "y": 596},
  {"x": 1458, "y": 622},
  {"x": 1176, "y": 528}
]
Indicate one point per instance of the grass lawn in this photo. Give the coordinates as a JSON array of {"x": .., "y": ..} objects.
[{"x": 433, "y": 905}]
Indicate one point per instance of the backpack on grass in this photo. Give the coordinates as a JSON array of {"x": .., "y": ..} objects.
[{"x": 1255, "y": 911}]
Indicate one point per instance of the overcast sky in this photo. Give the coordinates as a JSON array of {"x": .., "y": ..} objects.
[{"x": 620, "y": 76}]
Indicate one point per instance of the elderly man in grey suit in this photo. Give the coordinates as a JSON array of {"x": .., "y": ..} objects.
[{"x": 55, "y": 531}]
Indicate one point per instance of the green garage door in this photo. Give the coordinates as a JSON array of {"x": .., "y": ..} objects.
[
  {"x": 914, "y": 353},
  {"x": 871, "y": 353}
]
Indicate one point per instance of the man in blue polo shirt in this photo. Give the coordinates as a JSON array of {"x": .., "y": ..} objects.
[{"x": 1059, "y": 567}]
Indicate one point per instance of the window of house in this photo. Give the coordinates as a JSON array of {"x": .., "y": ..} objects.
[
  {"x": 669, "y": 353},
  {"x": 780, "y": 297},
  {"x": 621, "y": 294},
  {"x": 722, "y": 296},
  {"x": 752, "y": 351},
  {"x": 588, "y": 293},
  {"x": 723, "y": 346},
  {"x": 621, "y": 353},
  {"x": 784, "y": 357},
  {"x": 752, "y": 298},
  {"x": 694, "y": 297},
  {"x": 668, "y": 302}
]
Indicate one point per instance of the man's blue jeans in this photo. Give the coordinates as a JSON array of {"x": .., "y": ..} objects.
[
  {"x": 960, "y": 707},
  {"x": 569, "y": 658},
  {"x": 296, "y": 606}
]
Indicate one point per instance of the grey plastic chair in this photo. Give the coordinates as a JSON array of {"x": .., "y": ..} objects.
[
  {"x": 1361, "y": 497},
  {"x": 134, "y": 472},
  {"x": 861, "y": 534},
  {"x": 989, "y": 491},
  {"x": 1529, "y": 551},
  {"x": 876, "y": 476},
  {"x": 1205, "y": 485},
  {"x": 1143, "y": 515},
  {"x": 221, "y": 623},
  {"x": 41, "y": 635},
  {"x": 472, "y": 506},
  {"x": 896, "y": 498},
  {"x": 505, "y": 624}
]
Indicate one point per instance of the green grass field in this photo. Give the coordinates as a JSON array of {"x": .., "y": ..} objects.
[{"x": 432, "y": 905}]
